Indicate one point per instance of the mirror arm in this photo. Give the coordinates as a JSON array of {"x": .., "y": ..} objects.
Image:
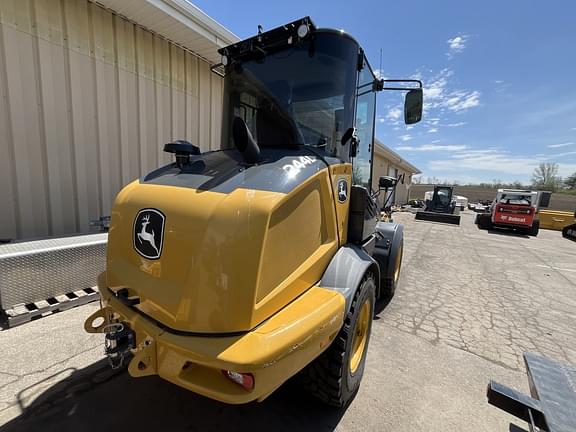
[
  {"x": 218, "y": 69},
  {"x": 401, "y": 81}
]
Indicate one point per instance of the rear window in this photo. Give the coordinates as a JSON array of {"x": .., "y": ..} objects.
[{"x": 516, "y": 199}]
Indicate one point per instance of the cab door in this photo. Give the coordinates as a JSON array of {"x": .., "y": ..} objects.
[
  {"x": 363, "y": 207},
  {"x": 365, "y": 117}
]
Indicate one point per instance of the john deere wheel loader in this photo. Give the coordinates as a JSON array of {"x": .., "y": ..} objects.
[{"x": 230, "y": 271}]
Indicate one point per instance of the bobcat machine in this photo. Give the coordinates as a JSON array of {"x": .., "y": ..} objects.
[
  {"x": 442, "y": 207},
  {"x": 515, "y": 210},
  {"x": 230, "y": 271}
]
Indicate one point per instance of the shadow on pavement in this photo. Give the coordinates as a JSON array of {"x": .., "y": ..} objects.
[
  {"x": 508, "y": 233},
  {"x": 97, "y": 398}
]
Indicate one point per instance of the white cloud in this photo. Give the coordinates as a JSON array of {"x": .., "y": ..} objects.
[
  {"x": 454, "y": 124},
  {"x": 432, "y": 147},
  {"x": 405, "y": 137},
  {"x": 432, "y": 130},
  {"x": 559, "y": 155},
  {"x": 394, "y": 113},
  {"x": 566, "y": 144},
  {"x": 461, "y": 100},
  {"x": 456, "y": 45},
  {"x": 439, "y": 98},
  {"x": 436, "y": 141},
  {"x": 499, "y": 162}
]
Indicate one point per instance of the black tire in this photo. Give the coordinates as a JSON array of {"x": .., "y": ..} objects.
[
  {"x": 483, "y": 221},
  {"x": 534, "y": 229},
  {"x": 329, "y": 377}
]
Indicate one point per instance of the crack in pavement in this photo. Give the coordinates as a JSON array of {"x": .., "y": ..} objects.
[{"x": 482, "y": 293}]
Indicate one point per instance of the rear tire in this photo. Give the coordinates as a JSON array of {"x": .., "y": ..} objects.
[
  {"x": 533, "y": 231},
  {"x": 334, "y": 377}
]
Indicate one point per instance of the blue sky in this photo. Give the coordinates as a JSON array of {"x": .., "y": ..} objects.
[{"x": 499, "y": 77}]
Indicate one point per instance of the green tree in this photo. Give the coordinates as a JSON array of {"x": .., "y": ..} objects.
[{"x": 545, "y": 176}]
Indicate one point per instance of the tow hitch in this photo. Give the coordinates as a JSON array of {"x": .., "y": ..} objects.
[{"x": 119, "y": 342}]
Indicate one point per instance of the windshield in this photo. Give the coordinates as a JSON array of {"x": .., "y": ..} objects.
[{"x": 303, "y": 95}]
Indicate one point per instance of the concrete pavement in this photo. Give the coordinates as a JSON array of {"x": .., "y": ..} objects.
[{"x": 470, "y": 302}]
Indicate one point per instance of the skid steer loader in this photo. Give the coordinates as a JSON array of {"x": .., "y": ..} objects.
[
  {"x": 230, "y": 271},
  {"x": 442, "y": 207}
]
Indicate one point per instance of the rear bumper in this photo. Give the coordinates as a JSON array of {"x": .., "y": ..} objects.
[{"x": 273, "y": 352}]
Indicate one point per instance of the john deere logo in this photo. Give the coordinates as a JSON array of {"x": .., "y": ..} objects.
[
  {"x": 148, "y": 233},
  {"x": 342, "y": 190}
]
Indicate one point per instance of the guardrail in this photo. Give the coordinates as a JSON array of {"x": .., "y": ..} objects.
[{"x": 44, "y": 276}]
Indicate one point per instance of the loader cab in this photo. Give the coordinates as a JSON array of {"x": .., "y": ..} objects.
[
  {"x": 291, "y": 91},
  {"x": 302, "y": 88}
]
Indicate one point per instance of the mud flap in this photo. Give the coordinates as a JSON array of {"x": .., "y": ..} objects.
[
  {"x": 346, "y": 270},
  {"x": 388, "y": 246}
]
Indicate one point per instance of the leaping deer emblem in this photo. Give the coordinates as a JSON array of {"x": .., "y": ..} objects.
[{"x": 146, "y": 236}]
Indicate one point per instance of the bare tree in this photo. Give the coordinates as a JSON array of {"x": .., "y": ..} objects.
[{"x": 545, "y": 176}]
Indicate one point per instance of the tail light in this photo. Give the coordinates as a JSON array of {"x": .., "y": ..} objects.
[{"x": 245, "y": 380}]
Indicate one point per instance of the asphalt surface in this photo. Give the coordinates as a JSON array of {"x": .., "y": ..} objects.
[{"x": 469, "y": 303}]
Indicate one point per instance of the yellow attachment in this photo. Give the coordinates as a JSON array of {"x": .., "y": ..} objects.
[
  {"x": 555, "y": 220},
  {"x": 360, "y": 337},
  {"x": 273, "y": 352}
]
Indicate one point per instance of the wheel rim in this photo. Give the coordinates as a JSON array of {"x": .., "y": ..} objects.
[
  {"x": 398, "y": 263},
  {"x": 360, "y": 337}
]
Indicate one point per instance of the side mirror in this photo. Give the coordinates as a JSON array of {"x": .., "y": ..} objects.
[
  {"x": 413, "y": 106},
  {"x": 386, "y": 182}
]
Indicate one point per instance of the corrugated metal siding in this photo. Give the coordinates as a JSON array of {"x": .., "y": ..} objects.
[{"x": 87, "y": 100}]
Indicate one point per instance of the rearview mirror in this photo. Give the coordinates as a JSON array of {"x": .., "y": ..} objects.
[
  {"x": 386, "y": 182},
  {"x": 413, "y": 106}
]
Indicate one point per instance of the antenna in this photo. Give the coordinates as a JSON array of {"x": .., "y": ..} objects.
[
  {"x": 260, "y": 29},
  {"x": 380, "y": 67}
]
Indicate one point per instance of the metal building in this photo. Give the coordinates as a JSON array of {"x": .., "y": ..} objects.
[
  {"x": 89, "y": 93},
  {"x": 389, "y": 163}
]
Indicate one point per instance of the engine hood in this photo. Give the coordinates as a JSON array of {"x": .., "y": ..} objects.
[{"x": 220, "y": 248}]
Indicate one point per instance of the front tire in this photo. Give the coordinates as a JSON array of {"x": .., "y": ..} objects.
[
  {"x": 483, "y": 221},
  {"x": 334, "y": 377}
]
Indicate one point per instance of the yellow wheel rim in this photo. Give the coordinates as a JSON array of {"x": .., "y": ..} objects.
[
  {"x": 398, "y": 263},
  {"x": 360, "y": 337}
]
